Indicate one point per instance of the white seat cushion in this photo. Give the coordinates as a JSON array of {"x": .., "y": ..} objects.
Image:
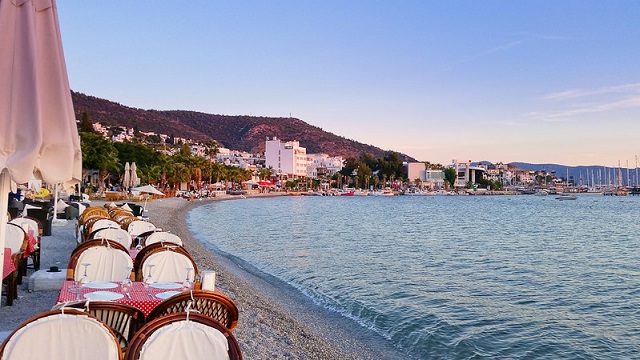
[
  {"x": 64, "y": 337},
  {"x": 169, "y": 266},
  {"x": 137, "y": 227},
  {"x": 107, "y": 264},
  {"x": 116, "y": 234},
  {"x": 163, "y": 236},
  {"x": 185, "y": 340}
]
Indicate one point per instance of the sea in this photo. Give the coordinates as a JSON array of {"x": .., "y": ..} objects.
[{"x": 452, "y": 277}]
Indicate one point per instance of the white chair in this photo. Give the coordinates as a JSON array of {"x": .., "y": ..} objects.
[
  {"x": 27, "y": 224},
  {"x": 168, "y": 265},
  {"x": 116, "y": 234},
  {"x": 64, "y": 334},
  {"x": 31, "y": 224},
  {"x": 184, "y": 335},
  {"x": 163, "y": 236},
  {"x": 106, "y": 263},
  {"x": 16, "y": 238},
  {"x": 138, "y": 227},
  {"x": 103, "y": 224}
]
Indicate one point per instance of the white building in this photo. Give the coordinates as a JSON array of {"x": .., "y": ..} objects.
[
  {"x": 433, "y": 179},
  {"x": 286, "y": 158},
  {"x": 416, "y": 171},
  {"x": 323, "y": 165},
  {"x": 236, "y": 158}
]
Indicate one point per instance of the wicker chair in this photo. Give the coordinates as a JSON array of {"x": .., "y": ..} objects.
[
  {"x": 170, "y": 264},
  {"x": 116, "y": 234},
  {"x": 93, "y": 211},
  {"x": 65, "y": 334},
  {"x": 210, "y": 303},
  {"x": 113, "y": 260},
  {"x": 148, "y": 249},
  {"x": 185, "y": 335},
  {"x": 162, "y": 236},
  {"x": 137, "y": 227},
  {"x": 124, "y": 320},
  {"x": 35, "y": 225},
  {"x": 84, "y": 227},
  {"x": 125, "y": 221},
  {"x": 16, "y": 240},
  {"x": 118, "y": 214}
]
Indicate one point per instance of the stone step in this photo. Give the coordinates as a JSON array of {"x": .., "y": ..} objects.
[{"x": 46, "y": 280}]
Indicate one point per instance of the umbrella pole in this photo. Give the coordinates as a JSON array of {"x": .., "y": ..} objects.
[
  {"x": 56, "y": 221},
  {"x": 144, "y": 208},
  {"x": 5, "y": 185}
]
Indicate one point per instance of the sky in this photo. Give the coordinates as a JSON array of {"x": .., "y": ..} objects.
[{"x": 545, "y": 81}]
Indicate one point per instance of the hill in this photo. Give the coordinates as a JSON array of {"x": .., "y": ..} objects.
[
  {"x": 592, "y": 174},
  {"x": 245, "y": 133}
]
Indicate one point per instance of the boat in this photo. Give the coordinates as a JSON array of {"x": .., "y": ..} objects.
[
  {"x": 383, "y": 192},
  {"x": 347, "y": 193},
  {"x": 566, "y": 197},
  {"x": 542, "y": 192}
]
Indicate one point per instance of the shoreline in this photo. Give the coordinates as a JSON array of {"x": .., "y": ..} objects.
[{"x": 276, "y": 321}]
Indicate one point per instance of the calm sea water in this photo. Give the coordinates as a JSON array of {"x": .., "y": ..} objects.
[{"x": 454, "y": 277}]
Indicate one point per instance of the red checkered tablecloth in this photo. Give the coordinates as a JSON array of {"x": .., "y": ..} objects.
[
  {"x": 31, "y": 244},
  {"x": 140, "y": 297},
  {"x": 8, "y": 266}
]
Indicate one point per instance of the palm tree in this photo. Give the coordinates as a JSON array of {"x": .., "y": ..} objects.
[
  {"x": 99, "y": 153},
  {"x": 265, "y": 173}
]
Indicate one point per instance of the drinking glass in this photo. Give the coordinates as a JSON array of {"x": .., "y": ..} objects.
[
  {"x": 84, "y": 280},
  {"x": 74, "y": 288},
  {"x": 126, "y": 284},
  {"x": 148, "y": 280},
  {"x": 186, "y": 285}
]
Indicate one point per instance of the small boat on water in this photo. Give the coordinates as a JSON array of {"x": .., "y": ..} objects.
[
  {"x": 566, "y": 197},
  {"x": 541, "y": 192}
]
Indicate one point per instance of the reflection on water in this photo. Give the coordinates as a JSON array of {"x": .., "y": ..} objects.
[{"x": 454, "y": 277}]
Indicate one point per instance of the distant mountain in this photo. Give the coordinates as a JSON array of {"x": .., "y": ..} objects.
[
  {"x": 245, "y": 133},
  {"x": 596, "y": 174}
]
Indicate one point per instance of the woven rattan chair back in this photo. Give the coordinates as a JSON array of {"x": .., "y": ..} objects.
[
  {"x": 141, "y": 338},
  {"x": 209, "y": 303}
]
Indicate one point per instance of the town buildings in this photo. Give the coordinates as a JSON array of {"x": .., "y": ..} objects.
[{"x": 288, "y": 160}]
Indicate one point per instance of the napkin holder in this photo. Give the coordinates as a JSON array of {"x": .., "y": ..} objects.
[{"x": 208, "y": 280}]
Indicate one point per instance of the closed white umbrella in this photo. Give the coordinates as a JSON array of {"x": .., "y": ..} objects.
[
  {"x": 126, "y": 181},
  {"x": 134, "y": 175},
  {"x": 38, "y": 134}
]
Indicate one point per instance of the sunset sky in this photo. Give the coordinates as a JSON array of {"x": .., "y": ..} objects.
[{"x": 532, "y": 81}]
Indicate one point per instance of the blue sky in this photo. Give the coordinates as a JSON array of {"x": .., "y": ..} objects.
[{"x": 533, "y": 81}]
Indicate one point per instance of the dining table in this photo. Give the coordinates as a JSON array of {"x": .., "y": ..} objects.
[
  {"x": 32, "y": 242},
  {"x": 139, "y": 296},
  {"x": 8, "y": 266}
]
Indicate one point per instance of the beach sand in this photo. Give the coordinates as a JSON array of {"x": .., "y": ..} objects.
[{"x": 275, "y": 321}]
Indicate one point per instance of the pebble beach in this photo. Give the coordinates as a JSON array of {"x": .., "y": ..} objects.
[{"x": 275, "y": 322}]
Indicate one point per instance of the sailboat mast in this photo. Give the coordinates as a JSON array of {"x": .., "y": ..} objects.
[
  {"x": 628, "y": 183},
  {"x": 636, "y": 170}
]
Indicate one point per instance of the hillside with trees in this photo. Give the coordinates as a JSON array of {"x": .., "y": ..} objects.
[{"x": 245, "y": 133}]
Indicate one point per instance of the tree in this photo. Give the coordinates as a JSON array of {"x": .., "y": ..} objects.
[
  {"x": 450, "y": 176},
  {"x": 85, "y": 124},
  {"x": 100, "y": 154},
  {"x": 265, "y": 173},
  {"x": 212, "y": 149}
]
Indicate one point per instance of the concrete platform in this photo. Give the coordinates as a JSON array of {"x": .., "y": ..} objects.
[{"x": 44, "y": 280}]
